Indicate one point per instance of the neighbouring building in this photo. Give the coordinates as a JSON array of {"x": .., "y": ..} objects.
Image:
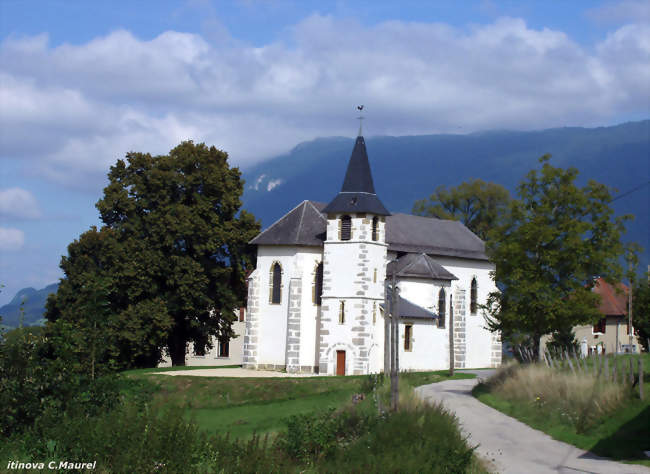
[
  {"x": 612, "y": 330},
  {"x": 227, "y": 352},
  {"x": 316, "y": 298}
]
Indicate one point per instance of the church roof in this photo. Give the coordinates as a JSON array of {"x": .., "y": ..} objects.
[
  {"x": 410, "y": 310},
  {"x": 418, "y": 265},
  {"x": 358, "y": 190},
  {"x": 417, "y": 234},
  {"x": 306, "y": 225},
  {"x": 303, "y": 225}
]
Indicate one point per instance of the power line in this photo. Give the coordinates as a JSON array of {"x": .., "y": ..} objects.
[{"x": 631, "y": 191}]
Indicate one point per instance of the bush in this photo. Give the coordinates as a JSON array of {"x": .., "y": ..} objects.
[
  {"x": 425, "y": 439},
  {"x": 319, "y": 435}
]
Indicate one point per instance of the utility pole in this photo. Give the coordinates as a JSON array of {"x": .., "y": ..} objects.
[
  {"x": 451, "y": 334},
  {"x": 394, "y": 372},
  {"x": 387, "y": 346}
]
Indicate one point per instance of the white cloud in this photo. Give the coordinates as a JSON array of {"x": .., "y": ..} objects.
[
  {"x": 274, "y": 183},
  {"x": 621, "y": 11},
  {"x": 74, "y": 109},
  {"x": 18, "y": 203},
  {"x": 11, "y": 239}
]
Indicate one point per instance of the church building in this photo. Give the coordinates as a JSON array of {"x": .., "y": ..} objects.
[{"x": 316, "y": 299}]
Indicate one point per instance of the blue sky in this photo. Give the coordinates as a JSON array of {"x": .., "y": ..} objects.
[{"x": 82, "y": 83}]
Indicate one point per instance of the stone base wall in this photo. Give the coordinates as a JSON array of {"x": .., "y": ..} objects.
[
  {"x": 251, "y": 333},
  {"x": 460, "y": 333},
  {"x": 293, "y": 326}
]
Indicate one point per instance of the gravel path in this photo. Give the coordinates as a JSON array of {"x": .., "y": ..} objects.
[
  {"x": 232, "y": 372},
  {"x": 511, "y": 446}
]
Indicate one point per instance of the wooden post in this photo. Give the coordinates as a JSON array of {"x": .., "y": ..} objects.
[
  {"x": 451, "y": 334},
  {"x": 550, "y": 359},
  {"x": 631, "y": 371},
  {"x": 606, "y": 368},
  {"x": 568, "y": 359},
  {"x": 614, "y": 366},
  {"x": 640, "y": 378}
]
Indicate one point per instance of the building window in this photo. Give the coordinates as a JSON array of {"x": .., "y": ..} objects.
[
  {"x": 473, "y": 297},
  {"x": 442, "y": 300},
  {"x": 408, "y": 334},
  {"x": 275, "y": 290},
  {"x": 600, "y": 326},
  {"x": 375, "y": 229},
  {"x": 374, "y": 276},
  {"x": 342, "y": 312},
  {"x": 374, "y": 312},
  {"x": 345, "y": 227},
  {"x": 224, "y": 349},
  {"x": 317, "y": 287},
  {"x": 242, "y": 312}
]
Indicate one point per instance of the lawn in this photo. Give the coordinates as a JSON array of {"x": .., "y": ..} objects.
[
  {"x": 244, "y": 406},
  {"x": 622, "y": 434}
]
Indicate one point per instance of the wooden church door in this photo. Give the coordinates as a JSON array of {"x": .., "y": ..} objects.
[{"x": 340, "y": 362}]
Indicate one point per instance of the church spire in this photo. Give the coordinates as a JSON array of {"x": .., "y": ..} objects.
[{"x": 358, "y": 190}]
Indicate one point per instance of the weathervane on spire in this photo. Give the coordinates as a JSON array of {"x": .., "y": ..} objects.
[{"x": 361, "y": 117}]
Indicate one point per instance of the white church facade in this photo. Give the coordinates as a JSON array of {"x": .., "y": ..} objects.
[{"x": 316, "y": 298}]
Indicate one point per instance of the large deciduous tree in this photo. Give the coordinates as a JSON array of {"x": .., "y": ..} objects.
[
  {"x": 552, "y": 244},
  {"x": 181, "y": 247},
  {"x": 477, "y": 204}
]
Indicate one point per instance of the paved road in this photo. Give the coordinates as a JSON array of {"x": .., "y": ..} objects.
[{"x": 510, "y": 445}]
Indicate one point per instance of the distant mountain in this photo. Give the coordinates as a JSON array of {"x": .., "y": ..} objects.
[
  {"x": 409, "y": 168},
  {"x": 34, "y": 306}
]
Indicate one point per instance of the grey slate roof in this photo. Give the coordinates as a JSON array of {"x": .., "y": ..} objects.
[
  {"x": 418, "y": 265},
  {"x": 416, "y": 234},
  {"x": 303, "y": 225},
  {"x": 358, "y": 191},
  {"x": 410, "y": 310},
  {"x": 306, "y": 225}
]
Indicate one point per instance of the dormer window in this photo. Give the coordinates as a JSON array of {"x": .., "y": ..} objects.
[
  {"x": 375, "y": 229},
  {"x": 345, "y": 227}
]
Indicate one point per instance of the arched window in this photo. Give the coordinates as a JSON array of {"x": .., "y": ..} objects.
[
  {"x": 375, "y": 228},
  {"x": 345, "y": 227},
  {"x": 317, "y": 293},
  {"x": 441, "y": 308},
  {"x": 275, "y": 290},
  {"x": 473, "y": 297},
  {"x": 342, "y": 312}
]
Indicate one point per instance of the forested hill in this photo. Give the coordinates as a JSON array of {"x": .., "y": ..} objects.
[
  {"x": 410, "y": 167},
  {"x": 34, "y": 306}
]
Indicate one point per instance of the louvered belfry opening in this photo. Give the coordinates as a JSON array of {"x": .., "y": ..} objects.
[
  {"x": 276, "y": 292},
  {"x": 375, "y": 225},
  {"x": 346, "y": 228}
]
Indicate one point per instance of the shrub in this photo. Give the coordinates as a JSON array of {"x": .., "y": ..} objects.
[
  {"x": 316, "y": 435},
  {"x": 425, "y": 439}
]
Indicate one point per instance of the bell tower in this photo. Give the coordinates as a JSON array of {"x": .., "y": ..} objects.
[{"x": 354, "y": 269}]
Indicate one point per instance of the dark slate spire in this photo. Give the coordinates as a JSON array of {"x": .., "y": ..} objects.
[{"x": 358, "y": 191}]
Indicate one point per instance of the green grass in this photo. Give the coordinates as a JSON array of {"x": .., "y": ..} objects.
[
  {"x": 243, "y": 406},
  {"x": 622, "y": 435}
]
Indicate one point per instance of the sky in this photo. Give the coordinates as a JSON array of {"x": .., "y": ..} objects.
[{"x": 83, "y": 83}]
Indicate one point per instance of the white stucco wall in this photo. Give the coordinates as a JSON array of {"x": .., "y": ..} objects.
[{"x": 478, "y": 338}]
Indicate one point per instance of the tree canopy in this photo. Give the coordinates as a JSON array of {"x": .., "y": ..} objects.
[
  {"x": 555, "y": 239},
  {"x": 168, "y": 266},
  {"x": 477, "y": 204}
]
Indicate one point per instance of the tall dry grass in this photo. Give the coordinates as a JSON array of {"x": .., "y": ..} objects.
[{"x": 580, "y": 399}]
